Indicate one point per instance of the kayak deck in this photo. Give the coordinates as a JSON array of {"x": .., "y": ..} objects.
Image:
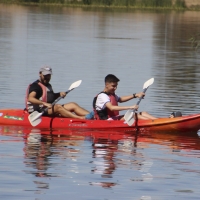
[{"x": 19, "y": 117}]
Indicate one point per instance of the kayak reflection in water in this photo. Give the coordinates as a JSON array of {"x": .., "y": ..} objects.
[
  {"x": 105, "y": 104},
  {"x": 41, "y": 95}
]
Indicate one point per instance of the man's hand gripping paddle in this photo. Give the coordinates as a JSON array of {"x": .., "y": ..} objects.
[
  {"x": 35, "y": 117},
  {"x": 129, "y": 119}
]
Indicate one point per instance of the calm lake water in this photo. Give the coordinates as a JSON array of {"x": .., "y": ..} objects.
[{"x": 80, "y": 43}]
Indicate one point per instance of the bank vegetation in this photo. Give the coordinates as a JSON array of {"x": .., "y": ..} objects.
[{"x": 166, "y": 4}]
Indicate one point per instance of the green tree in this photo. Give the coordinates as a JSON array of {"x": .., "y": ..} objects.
[{"x": 87, "y": 2}]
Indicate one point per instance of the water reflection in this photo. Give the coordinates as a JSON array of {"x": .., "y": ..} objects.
[
  {"x": 103, "y": 157},
  {"x": 104, "y": 160},
  {"x": 37, "y": 152},
  {"x": 40, "y": 149}
]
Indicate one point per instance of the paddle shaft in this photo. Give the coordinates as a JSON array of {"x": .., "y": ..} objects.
[
  {"x": 129, "y": 114},
  {"x": 133, "y": 110},
  {"x": 145, "y": 89}
]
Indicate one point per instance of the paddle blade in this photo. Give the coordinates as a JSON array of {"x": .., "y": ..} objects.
[
  {"x": 131, "y": 121},
  {"x": 75, "y": 85},
  {"x": 36, "y": 122},
  {"x": 35, "y": 118},
  {"x": 128, "y": 115},
  {"x": 148, "y": 83}
]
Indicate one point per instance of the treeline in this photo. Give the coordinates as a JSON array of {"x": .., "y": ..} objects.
[
  {"x": 137, "y": 3},
  {"x": 116, "y": 3}
]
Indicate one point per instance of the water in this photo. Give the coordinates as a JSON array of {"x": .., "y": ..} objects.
[{"x": 88, "y": 44}]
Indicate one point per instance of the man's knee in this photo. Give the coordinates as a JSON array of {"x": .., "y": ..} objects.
[
  {"x": 58, "y": 107},
  {"x": 71, "y": 105}
]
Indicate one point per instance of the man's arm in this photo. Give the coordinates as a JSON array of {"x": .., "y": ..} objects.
[
  {"x": 60, "y": 94},
  {"x": 119, "y": 108},
  {"x": 127, "y": 98},
  {"x": 33, "y": 100}
]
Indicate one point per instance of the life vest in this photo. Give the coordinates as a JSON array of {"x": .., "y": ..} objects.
[
  {"x": 105, "y": 113},
  {"x": 47, "y": 96}
]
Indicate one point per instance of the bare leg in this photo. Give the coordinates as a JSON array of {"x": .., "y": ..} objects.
[
  {"x": 138, "y": 116},
  {"x": 145, "y": 115},
  {"x": 142, "y": 116},
  {"x": 60, "y": 110},
  {"x": 74, "y": 107}
]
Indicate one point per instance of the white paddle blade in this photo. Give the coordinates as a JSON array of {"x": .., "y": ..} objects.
[
  {"x": 35, "y": 118},
  {"x": 75, "y": 85},
  {"x": 128, "y": 115},
  {"x": 36, "y": 122},
  {"x": 129, "y": 118},
  {"x": 148, "y": 83},
  {"x": 131, "y": 121}
]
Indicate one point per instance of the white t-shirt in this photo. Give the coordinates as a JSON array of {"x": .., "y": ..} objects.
[{"x": 102, "y": 99}]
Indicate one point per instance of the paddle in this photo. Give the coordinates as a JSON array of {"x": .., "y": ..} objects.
[
  {"x": 35, "y": 117},
  {"x": 129, "y": 119}
]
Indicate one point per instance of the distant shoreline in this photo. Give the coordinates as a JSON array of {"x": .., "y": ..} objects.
[{"x": 122, "y": 4}]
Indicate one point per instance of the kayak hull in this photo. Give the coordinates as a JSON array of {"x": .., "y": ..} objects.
[{"x": 19, "y": 117}]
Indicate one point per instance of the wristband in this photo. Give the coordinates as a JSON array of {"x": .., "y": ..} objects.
[{"x": 134, "y": 95}]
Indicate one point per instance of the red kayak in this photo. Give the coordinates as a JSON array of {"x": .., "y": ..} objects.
[{"x": 18, "y": 117}]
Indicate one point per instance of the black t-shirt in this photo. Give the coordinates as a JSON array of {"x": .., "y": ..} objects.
[{"x": 34, "y": 87}]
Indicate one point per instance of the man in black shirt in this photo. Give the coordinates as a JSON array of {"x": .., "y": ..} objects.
[{"x": 40, "y": 95}]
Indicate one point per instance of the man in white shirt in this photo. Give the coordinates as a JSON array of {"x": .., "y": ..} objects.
[{"x": 106, "y": 103}]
